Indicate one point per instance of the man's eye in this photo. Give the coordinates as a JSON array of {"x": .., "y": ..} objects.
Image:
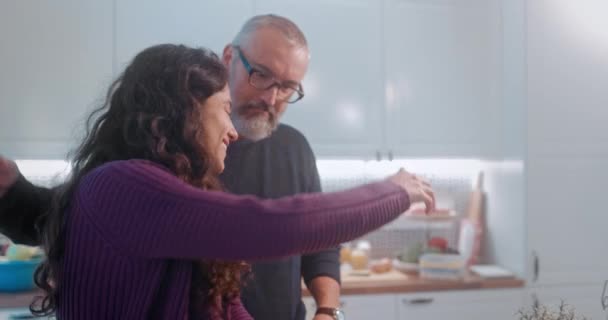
[{"x": 263, "y": 76}]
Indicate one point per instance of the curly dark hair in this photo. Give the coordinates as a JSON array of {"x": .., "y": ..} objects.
[{"x": 150, "y": 112}]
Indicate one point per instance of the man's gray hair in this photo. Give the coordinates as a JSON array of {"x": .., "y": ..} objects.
[{"x": 287, "y": 27}]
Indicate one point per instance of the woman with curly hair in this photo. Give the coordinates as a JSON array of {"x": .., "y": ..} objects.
[{"x": 141, "y": 229}]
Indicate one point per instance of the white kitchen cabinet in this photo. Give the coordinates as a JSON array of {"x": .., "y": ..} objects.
[
  {"x": 567, "y": 154},
  {"x": 342, "y": 113},
  {"x": 397, "y": 77},
  {"x": 211, "y": 24},
  {"x": 56, "y": 65},
  {"x": 461, "y": 305},
  {"x": 61, "y": 57},
  {"x": 361, "y": 307},
  {"x": 585, "y": 300},
  {"x": 566, "y": 220},
  {"x": 567, "y": 151},
  {"x": 442, "y": 77},
  {"x": 499, "y": 304},
  {"x": 567, "y": 101}
]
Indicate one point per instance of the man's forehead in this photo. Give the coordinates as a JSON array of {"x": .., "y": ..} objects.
[{"x": 271, "y": 49}]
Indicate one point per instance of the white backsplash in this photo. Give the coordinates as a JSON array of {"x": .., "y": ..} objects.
[
  {"x": 44, "y": 172},
  {"x": 452, "y": 181}
]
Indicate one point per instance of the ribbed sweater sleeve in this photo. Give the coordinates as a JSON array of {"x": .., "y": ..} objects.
[
  {"x": 143, "y": 210},
  {"x": 237, "y": 311}
]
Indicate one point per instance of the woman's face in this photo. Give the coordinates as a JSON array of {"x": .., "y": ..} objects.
[{"x": 217, "y": 127}]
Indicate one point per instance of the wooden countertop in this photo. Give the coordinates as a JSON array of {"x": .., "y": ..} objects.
[
  {"x": 18, "y": 300},
  {"x": 397, "y": 282},
  {"x": 393, "y": 282}
]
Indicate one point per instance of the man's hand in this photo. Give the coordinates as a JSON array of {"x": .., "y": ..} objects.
[{"x": 9, "y": 173}]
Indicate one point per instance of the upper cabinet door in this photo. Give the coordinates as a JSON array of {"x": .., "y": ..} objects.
[
  {"x": 56, "y": 65},
  {"x": 343, "y": 111},
  {"x": 443, "y": 75},
  {"x": 210, "y": 23},
  {"x": 567, "y": 77}
]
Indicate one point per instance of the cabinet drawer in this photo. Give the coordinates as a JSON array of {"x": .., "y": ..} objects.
[{"x": 461, "y": 305}]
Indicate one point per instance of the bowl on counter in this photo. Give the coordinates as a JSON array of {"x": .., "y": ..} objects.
[
  {"x": 405, "y": 267},
  {"x": 17, "y": 275}
]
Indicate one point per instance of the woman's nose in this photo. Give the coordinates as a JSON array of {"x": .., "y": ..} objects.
[{"x": 232, "y": 134}]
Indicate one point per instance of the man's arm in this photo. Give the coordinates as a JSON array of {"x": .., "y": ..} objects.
[
  {"x": 321, "y": 271},
  {"x": 21, "y": 205}
]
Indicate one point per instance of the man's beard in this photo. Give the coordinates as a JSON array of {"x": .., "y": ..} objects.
[{"x": 255, "y": 127}]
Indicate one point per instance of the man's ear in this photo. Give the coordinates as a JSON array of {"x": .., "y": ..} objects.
[{"x": 227, "y": 54}]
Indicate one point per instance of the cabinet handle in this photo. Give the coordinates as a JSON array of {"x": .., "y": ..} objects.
[
  {"x": 536, "y": 266},
  {"x": 378, "y": 156},
  {"x": 418, "y": 301},
  {"x": 605, "y": 296},
  {"x": 390, "y": 156},
  {"x": 535, "y": 301}
]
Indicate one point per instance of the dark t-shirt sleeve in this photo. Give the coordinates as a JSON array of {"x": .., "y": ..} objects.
[
  {"x": 326, "y": 262},
  {"x": 20, "y": 210}
]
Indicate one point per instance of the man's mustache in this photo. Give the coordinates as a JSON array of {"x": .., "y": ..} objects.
[{"x": 262, "y": 106}]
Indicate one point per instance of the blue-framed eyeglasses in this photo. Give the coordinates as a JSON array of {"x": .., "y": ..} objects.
[{"x": 261, "y": 80}]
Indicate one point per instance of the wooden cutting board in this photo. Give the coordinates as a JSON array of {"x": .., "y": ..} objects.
[{"x": 387, "y": 277}]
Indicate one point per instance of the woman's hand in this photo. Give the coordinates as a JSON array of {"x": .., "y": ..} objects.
[{"x": 418, "y": 189}]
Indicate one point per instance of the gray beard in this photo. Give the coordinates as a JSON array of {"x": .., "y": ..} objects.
[{"x": 255, "y": 129}]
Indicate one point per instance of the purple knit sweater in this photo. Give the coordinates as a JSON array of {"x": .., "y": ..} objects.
[{"x": 134, "y": 229}]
